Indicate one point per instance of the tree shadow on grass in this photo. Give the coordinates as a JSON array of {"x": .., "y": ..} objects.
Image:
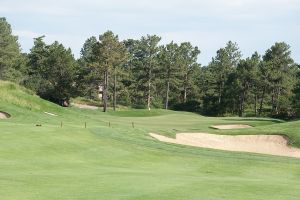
[{"x": 256, "y": 120}]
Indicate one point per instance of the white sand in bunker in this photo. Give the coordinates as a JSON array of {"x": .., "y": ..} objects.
[
  {"x": 231, "y": 126},
  {"x": 4, "y": 115},
  {"x": 264, "y": 144}
]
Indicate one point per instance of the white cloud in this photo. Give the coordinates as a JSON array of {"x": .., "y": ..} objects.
[
  {"x": 26, "y": 34},
  {"x": 77, "y": 7},
  {"x": 36, "y": 7},
  {"x": 254, "y": 24}
]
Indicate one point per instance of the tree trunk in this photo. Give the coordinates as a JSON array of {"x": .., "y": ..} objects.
[
  {"x": 167, "y": 95},
  {"x": 220, "y": 91},
  {"x": 115, "y": 91},
  {"x": 273, "y": 101},
  {"x": 242, "y": 102},
  {"x": 262, "y": 101},
  {"x": 255, "y": 104},
  {"x": 241, "y": 109},
  {"x": 105, "y": 91},
  {"x": 185, "y": 88},
  {"x": 149, "y": 91},
  {"x": 221, "y": 86},
  {"x": 277, "y": 100}
]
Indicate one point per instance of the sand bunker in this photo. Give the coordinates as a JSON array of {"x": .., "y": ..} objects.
[
  {"x": 84, "y": 106},
  {"x": 231, "y": 126},
  {"x": 4, "y": 115},
  {"x": 264, "y": 144}
]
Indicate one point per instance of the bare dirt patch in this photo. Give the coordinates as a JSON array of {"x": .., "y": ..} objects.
[
  {"x": 231, "y": 126},
  {"x": 84, "y": 106},
  {"x": 4, "y": 115},
  {"x": 52, "y": 114},
  {"x": 263, "y": 144}
]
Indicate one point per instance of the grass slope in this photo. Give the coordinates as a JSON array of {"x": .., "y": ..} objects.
[{"x": 121, "y": 162}]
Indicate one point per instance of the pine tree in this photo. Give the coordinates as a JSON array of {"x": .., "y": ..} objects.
[
  {"x": 88, "y": 78},
  {"x": 145, "y": 66},
  {"x": 223, "y": 67},
  {"x": 278, "y": 60},
  {"x": 11, "y": 59},
  {"x": 246, "y": 76},
  {"x": 187, "y": 58},
  {"x": 169, "y": 69},
  {"x": 108, "y": 55},
  {"x": 51, "y": 71}
]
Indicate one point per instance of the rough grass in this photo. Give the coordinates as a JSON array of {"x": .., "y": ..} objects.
[
  {"x": 90, "y": 102},
  {"x": 122, "y": 162}
]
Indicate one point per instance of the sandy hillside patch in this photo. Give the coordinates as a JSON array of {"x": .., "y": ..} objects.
[
  {"x": 264, "y": 144},
  {"x": 4, "y": 115},
  {"x": 231, "y": 126},
  {"x": 84, "y": 106},
  {"x": 52, "y": 114}
]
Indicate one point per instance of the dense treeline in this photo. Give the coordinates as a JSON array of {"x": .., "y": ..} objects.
[{"x": 145, "y": 74}]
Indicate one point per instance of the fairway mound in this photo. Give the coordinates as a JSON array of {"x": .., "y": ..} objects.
[
  {"x": 4, "y": 115},
  {"x": 264, "y": 144},
  {"x": 231, "y": 126},
  {"x": 84, "y": 106}
]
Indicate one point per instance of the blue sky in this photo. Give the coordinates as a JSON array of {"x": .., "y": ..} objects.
[{"x": 254, "y": 24}]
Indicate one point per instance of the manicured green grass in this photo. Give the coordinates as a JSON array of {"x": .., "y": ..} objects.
[{"x": 122, "y": 162}]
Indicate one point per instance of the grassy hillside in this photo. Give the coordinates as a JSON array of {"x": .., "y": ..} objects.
[{"x": 122, "y": 162}]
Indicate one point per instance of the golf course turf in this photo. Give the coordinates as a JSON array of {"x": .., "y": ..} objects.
[{"x": 87, "y": 154}]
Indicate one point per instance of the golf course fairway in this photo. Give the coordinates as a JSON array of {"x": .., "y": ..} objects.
[{"x": 90, "y": 155}]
